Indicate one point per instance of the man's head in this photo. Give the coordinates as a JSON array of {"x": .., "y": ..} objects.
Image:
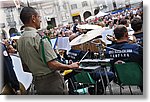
[
  {"x": 30, "y": 17},
  {"x": 124, "y": 22},
  {"x": 121, "y": 32},
  {"x": 136, "y": 24}
]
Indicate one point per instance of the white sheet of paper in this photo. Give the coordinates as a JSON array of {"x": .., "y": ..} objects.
[{"x": 63, "y": 43}]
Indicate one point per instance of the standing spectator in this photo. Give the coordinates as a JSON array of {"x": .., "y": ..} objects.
[
  {"x": 44, "y": 68},
  {"x": 75, "y": 26},
  {"x": 13, "y": 32},
  {"x": 123, "y": 21}
]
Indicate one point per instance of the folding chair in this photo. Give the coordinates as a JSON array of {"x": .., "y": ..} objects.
[
  {"x": 129, "y": 73},
  {"x": 84, "y": 78}
]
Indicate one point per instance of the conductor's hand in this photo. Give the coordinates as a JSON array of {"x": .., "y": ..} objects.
[{"x": 75, "y": 65}]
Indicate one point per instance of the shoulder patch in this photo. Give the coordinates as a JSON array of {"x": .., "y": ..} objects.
[{"x": 5, "y": 53}]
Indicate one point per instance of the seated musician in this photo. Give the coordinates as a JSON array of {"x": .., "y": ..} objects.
[
  {"x": 76, "y": 55},
  {"x": 122, "y": 50},
  {"x": 10, "y": 77},
  {"x": 95, "y": 75},
  {"x": 136, "y": 25}
]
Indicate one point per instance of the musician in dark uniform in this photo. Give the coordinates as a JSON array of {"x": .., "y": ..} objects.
[
  {"x": 136, "y": 25},
  {"x": 122, "y": 50},
  {"x": 9, "y": 74}
]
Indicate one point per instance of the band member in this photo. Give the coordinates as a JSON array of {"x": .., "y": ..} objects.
[
  {"x": 9, "y": 76},
  {"x": 47, "y": 78},
  {"x": 136, "y": 24},
  {"x": 124, "y": 51}
]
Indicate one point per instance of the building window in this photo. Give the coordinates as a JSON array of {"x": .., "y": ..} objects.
[
  {"x": 64, "y": 5},
  {"x": 114, "y": 5},
  {"x": 84, "y": 4},
  {"x": 95, "y": 1},
  {"x": 74, "y": 6}
]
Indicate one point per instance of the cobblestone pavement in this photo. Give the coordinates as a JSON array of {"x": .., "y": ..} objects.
[{"x": 116, "y": 90}]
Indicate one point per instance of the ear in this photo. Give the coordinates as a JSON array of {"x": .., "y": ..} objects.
[
  {"x": 33, "y": 18},
  {"x": 126, "y": 34}
]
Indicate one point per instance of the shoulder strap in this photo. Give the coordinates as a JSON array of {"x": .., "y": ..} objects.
[{"x": 42, "y": 45}]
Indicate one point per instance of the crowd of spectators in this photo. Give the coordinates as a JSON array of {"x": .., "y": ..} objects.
[{"x": 109, "y": 22}]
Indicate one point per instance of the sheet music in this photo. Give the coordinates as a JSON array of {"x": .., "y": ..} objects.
[
  {"x": 63, "y": 43},
  {"x": 24, "y": 77},
  {"x": 53, "y": 42},
  {"x": 91, "y": 67},
  {"x": 107, "y": 32},
  {"x": 96, "y": 60}
]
